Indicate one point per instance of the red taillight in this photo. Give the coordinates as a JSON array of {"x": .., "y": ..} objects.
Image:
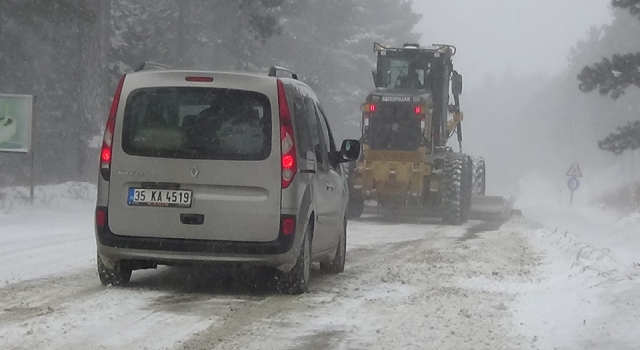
[
  {"x": 288, "y": 226},
  {"x": 106, "y": 155},
  {"x": 419, "y": 110},
  {"x": 101, "y": 217},
  {"x": 107, "y": 141},
  {"x": 287, "y": 161},
  {"x": 287, "y": 141},
  {"x": 199, "y": 79},
  {"x": 369, "y": 107}
]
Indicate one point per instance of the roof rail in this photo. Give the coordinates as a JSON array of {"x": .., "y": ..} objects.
[
  {"x": 273, "y": 70},
  {"x": 151, "y": 66}
]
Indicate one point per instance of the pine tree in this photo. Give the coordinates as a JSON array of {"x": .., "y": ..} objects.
[{"x": 613, "y": 76}]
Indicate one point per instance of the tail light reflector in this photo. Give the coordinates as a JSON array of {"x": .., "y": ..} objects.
[
  {"x": 287, "y": 142},
  {"x": 107, "y": 142},
  {"x": 101, "y": 217},
  {"x": 288, "y": 225}
]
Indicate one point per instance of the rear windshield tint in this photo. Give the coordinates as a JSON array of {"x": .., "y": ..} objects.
[{"x": 197, "y": 123}]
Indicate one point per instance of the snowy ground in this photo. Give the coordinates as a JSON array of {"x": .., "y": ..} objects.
[
  {"x": 559, "y": 278},
  {"x": 588, "y": 293}
]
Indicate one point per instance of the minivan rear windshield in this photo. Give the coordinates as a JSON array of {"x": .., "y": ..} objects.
[{"x": 197, "y": 123}]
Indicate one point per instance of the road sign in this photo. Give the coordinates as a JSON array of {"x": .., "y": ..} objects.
[
  {"x": 573, "y": 184},
  {"x": 574, "y": 171},
  {"x": 15, "y": 123}
]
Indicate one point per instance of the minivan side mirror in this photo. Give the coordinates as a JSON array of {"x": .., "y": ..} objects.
[{"x": 350, "y": 150}]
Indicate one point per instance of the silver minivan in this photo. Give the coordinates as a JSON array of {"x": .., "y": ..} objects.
[{"x": 218, "y": 167}]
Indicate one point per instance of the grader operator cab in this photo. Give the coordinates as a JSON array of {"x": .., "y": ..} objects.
[{"x": 406, "y": 124}]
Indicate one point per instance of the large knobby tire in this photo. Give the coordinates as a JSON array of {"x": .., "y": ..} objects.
[
  {"x": 336, "y": 265},
  {"x": 456, "y": 189},
  {"x": 467, "y": 187},
  {"x": 296, "y": 281},
  {"x": 119, "y": 276},
  {"x": 479, "y": 177}
]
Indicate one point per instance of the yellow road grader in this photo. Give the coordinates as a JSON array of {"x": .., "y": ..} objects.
[{"x": 407, "y": 121}]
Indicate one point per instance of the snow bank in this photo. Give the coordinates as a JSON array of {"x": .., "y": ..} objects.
[
  {"x": 53, "y": 237},
  {"x": 588, "y": 292}
]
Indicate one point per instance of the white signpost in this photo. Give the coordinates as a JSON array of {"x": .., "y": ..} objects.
[{"x": 574, "y": 173}]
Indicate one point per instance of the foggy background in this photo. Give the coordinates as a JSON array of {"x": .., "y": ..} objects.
[
  {"x": 524, "y": 112},
  {"x": 517, "y": 37}
]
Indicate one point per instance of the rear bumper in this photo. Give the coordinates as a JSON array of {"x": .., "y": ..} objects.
[
  {"x": 278, "y": 253},
  {"x": 110, "y": 256},
  {"x": 280, "y": 246}
]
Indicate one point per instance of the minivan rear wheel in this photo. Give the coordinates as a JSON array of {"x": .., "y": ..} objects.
[
  {"x": 296, "y": 281},
  {"x": 336, "y": 265},
  {"x": 119, "y": 276}
]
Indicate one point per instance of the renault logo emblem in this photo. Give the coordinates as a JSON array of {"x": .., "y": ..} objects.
[{"x": 195, "y": 172}]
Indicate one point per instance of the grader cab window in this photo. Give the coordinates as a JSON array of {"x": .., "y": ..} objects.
[{"x": 402, "y": 73}]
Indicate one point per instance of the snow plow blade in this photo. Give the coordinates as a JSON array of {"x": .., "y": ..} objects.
[{"x": 491, "y": 207}]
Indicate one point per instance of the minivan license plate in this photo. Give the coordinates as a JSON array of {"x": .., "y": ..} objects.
[{"x": 159, "y": 198}]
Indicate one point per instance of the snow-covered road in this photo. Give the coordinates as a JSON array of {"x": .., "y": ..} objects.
[{"x": 416, "y": 285}]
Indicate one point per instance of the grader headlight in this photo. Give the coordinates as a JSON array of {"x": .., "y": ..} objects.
[
  {"x": 369, "y": 107},
  {"x": 421, "y": 111}
]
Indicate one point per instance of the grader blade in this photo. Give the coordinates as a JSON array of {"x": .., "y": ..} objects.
[{"x": 491, "y": 207}]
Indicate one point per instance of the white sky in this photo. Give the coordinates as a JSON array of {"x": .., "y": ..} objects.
[{"x": 520, "y": 36}]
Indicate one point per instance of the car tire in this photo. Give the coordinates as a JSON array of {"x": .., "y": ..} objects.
[
  {"x": 336, "y": 265},
  {"x": 119, "y": 276},
  {"x": 296, "y": 281}
]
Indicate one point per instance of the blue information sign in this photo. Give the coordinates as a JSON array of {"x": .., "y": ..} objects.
[{"x": 573, "y": 184}]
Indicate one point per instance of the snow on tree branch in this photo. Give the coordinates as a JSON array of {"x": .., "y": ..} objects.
[
  {"x": 632, "y": 5},
  {"x": 627, "y": 138},
  {"x": 613, "y": 75}
]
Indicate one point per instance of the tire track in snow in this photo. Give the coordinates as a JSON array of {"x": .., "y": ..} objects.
[
  {"x": 29, "y": 299},
  {"x": 246, "y": 326},
  {"x": 409, "y": 294}
]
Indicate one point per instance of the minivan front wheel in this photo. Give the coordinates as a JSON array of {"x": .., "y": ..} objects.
[
  {"x": 119, "y": 276},
  {"x": 296, "y": 281}
]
